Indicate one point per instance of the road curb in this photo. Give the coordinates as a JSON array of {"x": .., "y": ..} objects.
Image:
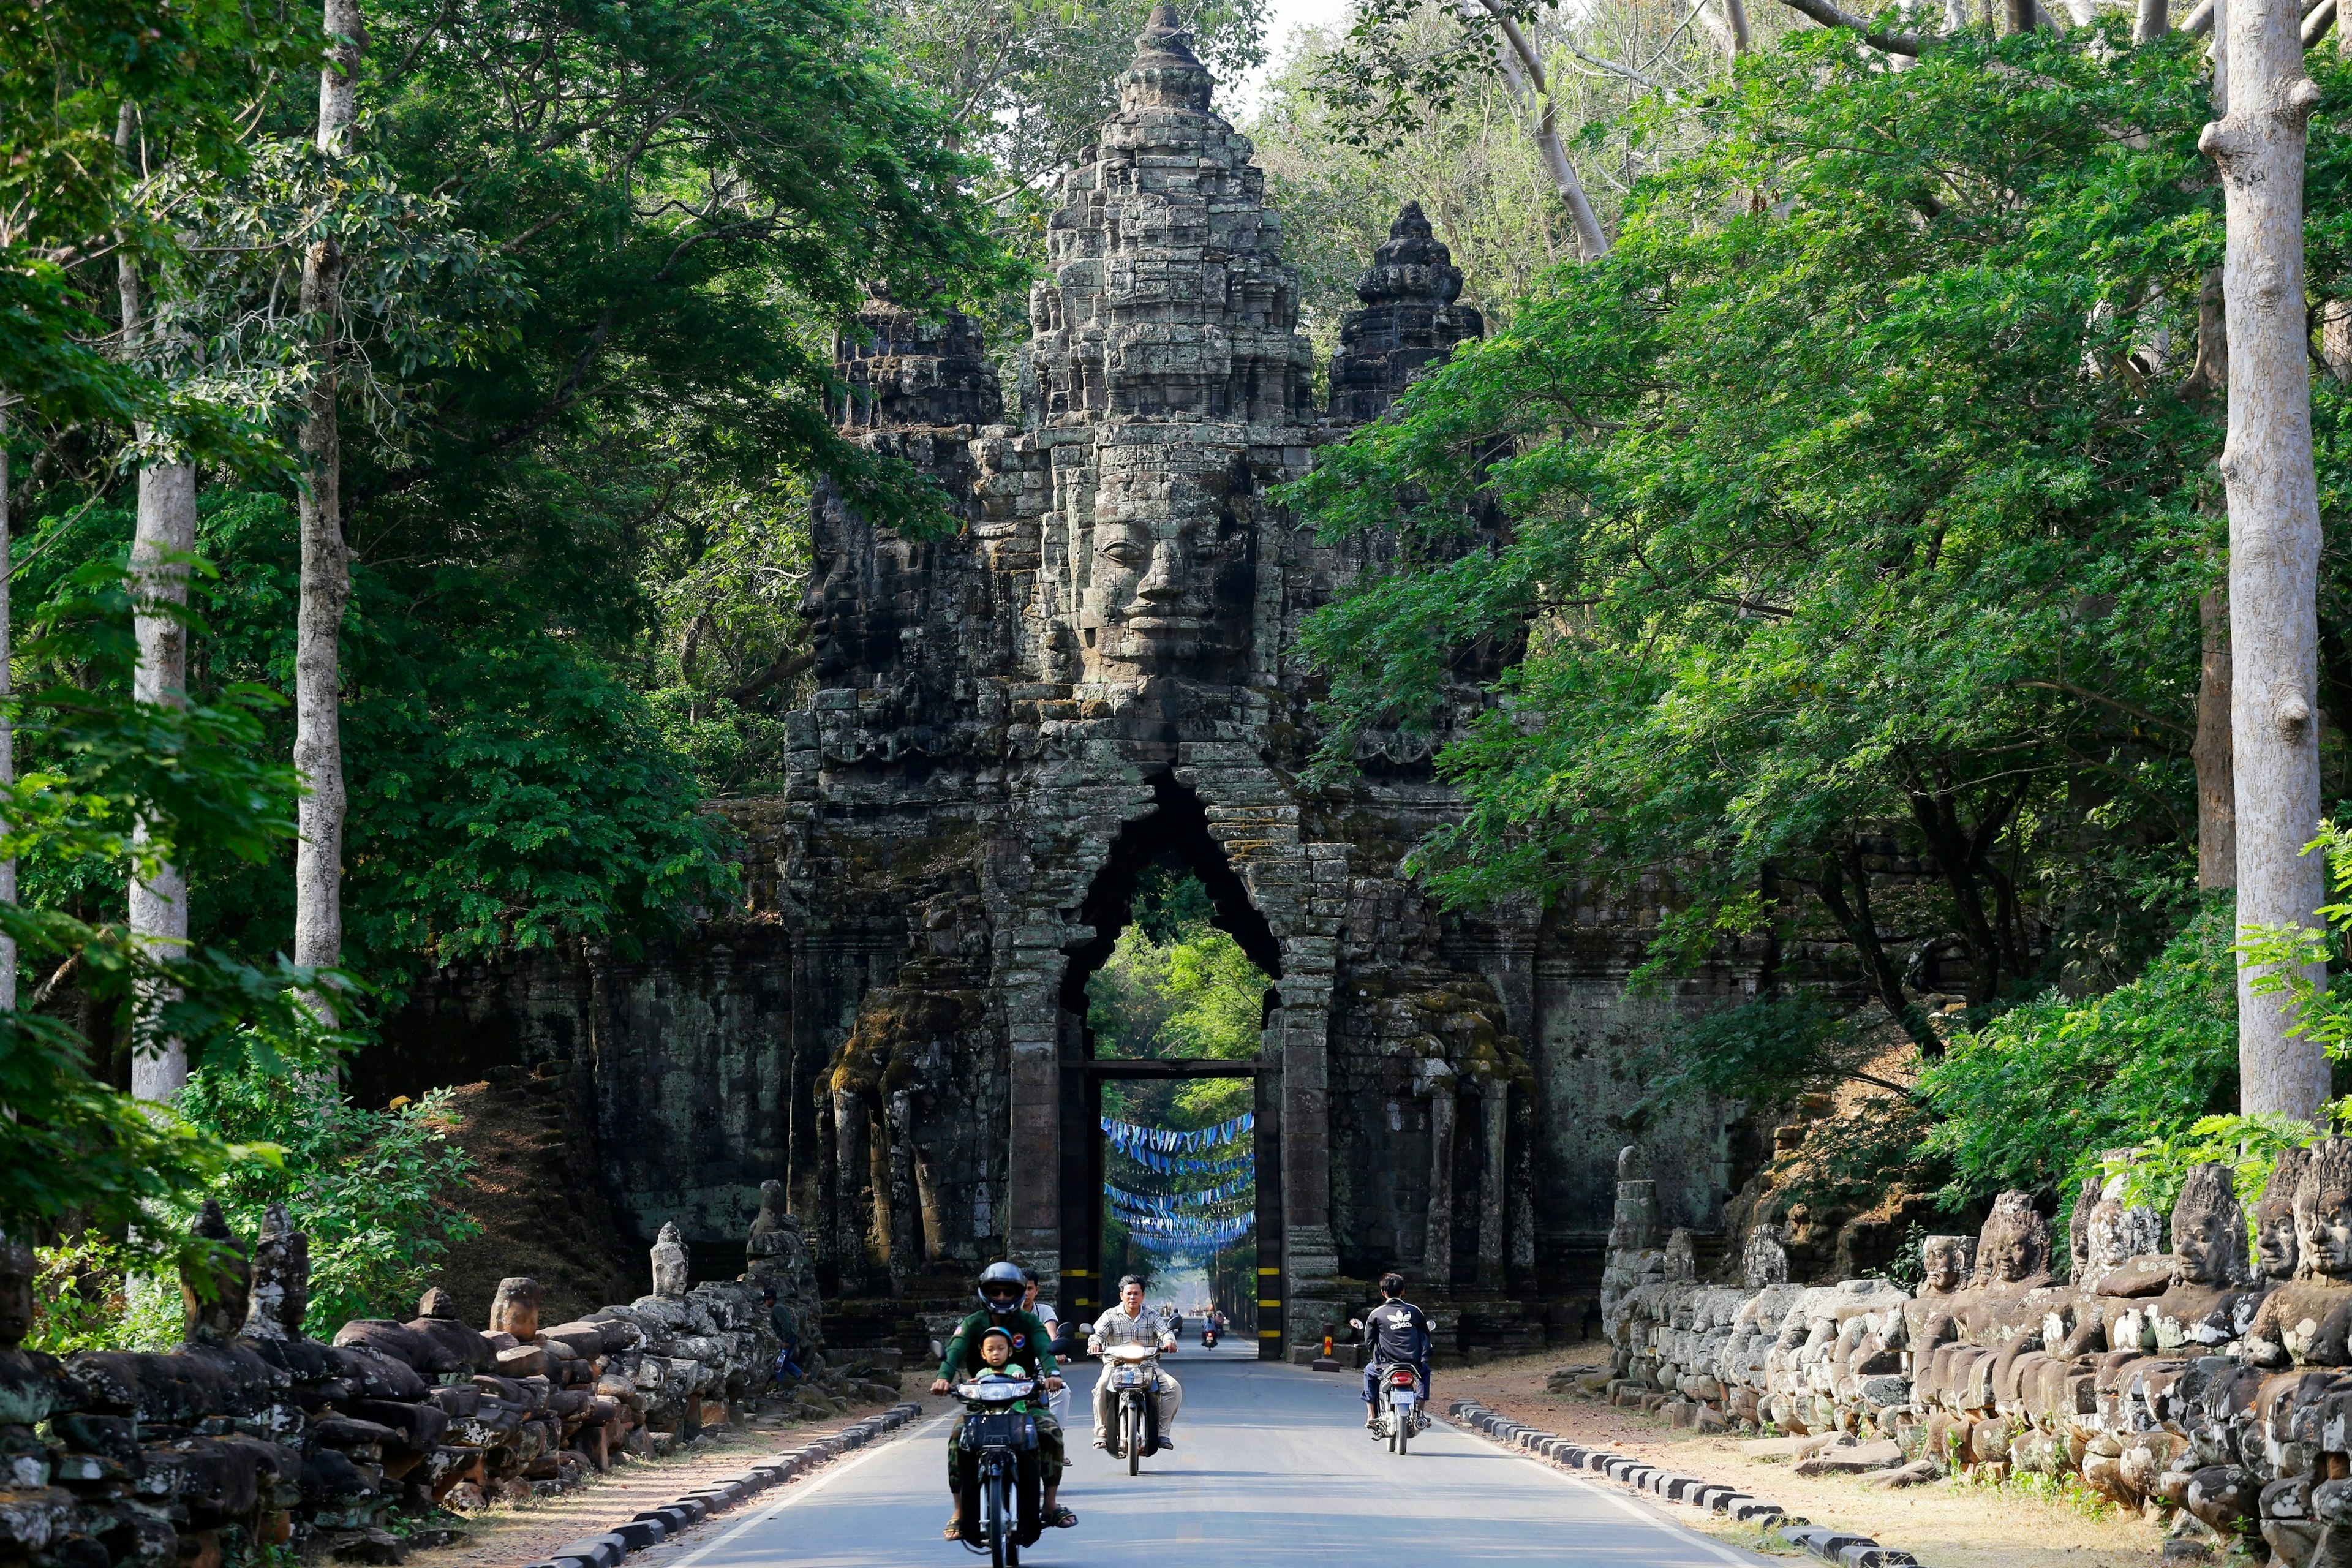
[
  {"x": 654, "y": 1526},
  {"x": 1843, "y": 1547}
]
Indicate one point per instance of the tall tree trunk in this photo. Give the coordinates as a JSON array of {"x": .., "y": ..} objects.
[
  {"x": 326, "y": 562},
  {"x": 1522, "y": 72},
  {"x": 159, "y": 548},
  {"x": 2155, "y": 20},
  {"x": 1734, "y": 21},
  {"x": 2259, "y": 144},
  {"x": 2217, "y": 796},
  {"x": 161, "y": 540}
]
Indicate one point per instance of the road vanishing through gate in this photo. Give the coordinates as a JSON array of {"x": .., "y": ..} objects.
[{"x": 1273, "y": 1467}]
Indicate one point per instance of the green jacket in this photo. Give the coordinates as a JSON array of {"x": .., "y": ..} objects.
[{"x": 1031, "y": 1345}]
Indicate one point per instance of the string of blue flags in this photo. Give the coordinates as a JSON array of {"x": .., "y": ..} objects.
[
  {"x": 1176, "y": 1202},
  {"x": 1174, "y": 1234},
  {"x": 1128, "y": 1137},
  {"x": 1174, "y": 1165}
]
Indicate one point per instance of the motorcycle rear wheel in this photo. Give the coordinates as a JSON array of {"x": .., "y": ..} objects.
[{"x": 1403, "y": 1419}]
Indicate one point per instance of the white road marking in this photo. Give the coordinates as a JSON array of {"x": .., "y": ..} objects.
[
  {"x": 1622, "y": 1504},
  {"x": 801, "y": 1493}
]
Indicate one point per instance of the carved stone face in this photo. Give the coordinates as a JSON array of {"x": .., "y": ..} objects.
[
  {"x": 1945, "y": 1262},
  {"x": 15, "y": 1293},
  {"x": 2322, "y": 1232},
  {"x": 2203, "y": 1250},
  {"x": 2119, "y": 1233},
  {"x": 2014, "y": 1245},
  {"x": 2275, "y": 1252},
  {"x": 1173, "y": 570},
  {"x": 2209, "y": 1229}
]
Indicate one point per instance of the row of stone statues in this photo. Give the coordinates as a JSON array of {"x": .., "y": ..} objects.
[
  {"x": 251, "y": 1433},
  {"x": 2198, "y": 1381}
]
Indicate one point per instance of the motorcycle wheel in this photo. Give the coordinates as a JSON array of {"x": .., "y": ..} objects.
[
  {"x": 1002, "y": 1552},
  {"x": 1132, "y": 1436},
  {"x": 1403, "y": 1419}
]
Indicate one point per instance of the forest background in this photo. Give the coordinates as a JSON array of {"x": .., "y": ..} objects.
[{"x": 1865, "y": 524}]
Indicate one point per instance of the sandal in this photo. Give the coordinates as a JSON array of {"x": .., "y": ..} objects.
[
  {"x": 955, "y": 1531},
  {"x": 1061, "y": 1518}
]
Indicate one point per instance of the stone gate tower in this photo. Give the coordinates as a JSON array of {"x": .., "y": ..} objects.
[{"x": 1100, "y": 668}]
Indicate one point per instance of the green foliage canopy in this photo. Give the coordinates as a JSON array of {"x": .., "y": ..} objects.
[
  {"x": 2034, "y": 1098},
  {"x": 1852, "y": 507}
]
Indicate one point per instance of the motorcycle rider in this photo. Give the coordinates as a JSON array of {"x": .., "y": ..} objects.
[
  {"x": 1128, "y": 1324},
  {"x": 1000, "y": 1289},
  {"x": 1399, "y": 1335},
  {"x": 1059, "y": 1401}
]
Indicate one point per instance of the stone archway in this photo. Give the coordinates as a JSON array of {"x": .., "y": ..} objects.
[{"x": 1176, "y": 824}]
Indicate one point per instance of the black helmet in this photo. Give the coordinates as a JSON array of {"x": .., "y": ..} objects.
[{"x": 1002, "y": 1287}]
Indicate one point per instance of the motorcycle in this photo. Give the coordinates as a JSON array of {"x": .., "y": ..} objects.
[
  {"x": 1399, "y": 1397},
  {"x": 1133, "y": 1372},
  {"x": 1208, "y": 1336},
  {"x": 1001, "y": 1481}
]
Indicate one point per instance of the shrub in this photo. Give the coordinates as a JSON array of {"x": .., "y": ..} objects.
[
  {"x": 2036, "y": 1096},
  {"x": 375, "y": 1190}
]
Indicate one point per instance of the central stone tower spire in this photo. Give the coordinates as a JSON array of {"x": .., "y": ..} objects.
[{"x": 1168, "y": 381}]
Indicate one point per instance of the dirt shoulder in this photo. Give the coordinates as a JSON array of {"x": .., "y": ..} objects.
[
  {"x": 506, "y": 1534},
  {"x": 1944, "y": 1524}
]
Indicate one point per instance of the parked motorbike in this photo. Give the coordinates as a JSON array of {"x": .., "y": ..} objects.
[
  {"x": 1001, "y": 1481},
  {"x": 1400, "y": 1398},
  {"x": 1133, "y": 1370}
]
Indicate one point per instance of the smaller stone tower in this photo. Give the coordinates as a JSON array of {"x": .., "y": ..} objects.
[{"x": 1409, "y": 320}]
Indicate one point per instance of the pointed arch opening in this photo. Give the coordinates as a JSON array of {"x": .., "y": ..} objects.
[{"x": 1165, "y": 1009}]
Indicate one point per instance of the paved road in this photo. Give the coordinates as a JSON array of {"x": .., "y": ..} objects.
[{"x": 1273, "y": 1467}]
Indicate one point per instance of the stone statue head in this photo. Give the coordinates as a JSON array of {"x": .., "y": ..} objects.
[
  {"x": 2275, "y": 1252},
  {"x": 437, "y": 1303},
  {"x": 2117, "y": 1231},
  {"x": 2209, "y": 1229},
  {"x": 2323, "y": 1211},
  {"x": 1945, "y": 1264},
  {"x": 777, "y": 1229},
  {"x": 18, "y": 1267},
  {"x": 212, "y": 1289},
  {"x": 1767, "y": 1261},
  {"x": 1682, "y": 1256},
  {"x": 280, "y": 1291},
  {"x": 515, "y": 1308},
  {"x": 2078, "y": 1228},
  {"x": 670, "y": 1269},
  {"x": 1172, "y": 584},
  {"x": 1633, "y": 1164},
  {"x": 2013, "y": 1248}
]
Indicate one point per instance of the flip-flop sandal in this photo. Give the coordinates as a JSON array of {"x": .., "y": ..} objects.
[
  {"x": 1061, "y": 1518},
  {"x": 953, "y": 1532}
]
